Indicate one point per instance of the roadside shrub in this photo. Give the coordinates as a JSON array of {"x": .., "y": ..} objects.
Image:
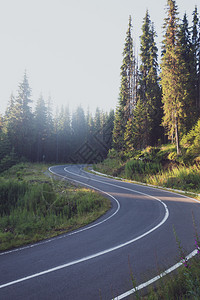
[
  {"x": 187, "y": 179},
  {"x": 191, "y": 141},
  {"x": 8, "y": 161},
  {"x": 10, "y": 192},
  {"x": 110, "y": 166},
  {"x": 141, "y": 167}
]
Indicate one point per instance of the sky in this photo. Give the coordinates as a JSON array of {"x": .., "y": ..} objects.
[{"x": 72, "y": 49}]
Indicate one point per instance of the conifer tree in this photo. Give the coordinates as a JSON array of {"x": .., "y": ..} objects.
[
  {"x": 90, "y": 125},
  {"x": 127, "y": 91},
  {"x": 50, "y": 135},
  {"x": 135, "y": 129},
  {"x": 21, "y": 120},
  {"x": 64, "y": 134},
  {"x": 149, "y": 89},
  {"x": 40, "y": 129},
  {"x": 187, "y": 57},
  {"x": 79, "y": 129},
  {"x": 9, "y": 119},
  {"x": 173, "y": 77},
  {"x": 195, "y": 57}
]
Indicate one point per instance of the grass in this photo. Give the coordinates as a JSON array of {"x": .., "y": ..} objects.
[
  {"x": 33, "y": 206},
  {"x": 110, "y": 166},
  {"x": 182, "y": 178},
  {"x": 156, "y": 166},
  {"x": 184, "y": 283}
]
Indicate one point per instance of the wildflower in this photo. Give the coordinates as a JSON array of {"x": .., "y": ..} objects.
[{"x": 185, "y": 262}]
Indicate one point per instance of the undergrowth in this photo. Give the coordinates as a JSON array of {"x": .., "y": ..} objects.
[
  {"x": 184, "y": 283},
  {"x": 34, "y": 206},
  {"x": 157, "y": 166}
]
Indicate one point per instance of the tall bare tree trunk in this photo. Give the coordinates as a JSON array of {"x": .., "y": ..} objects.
[{"x": 177, "y": 137}]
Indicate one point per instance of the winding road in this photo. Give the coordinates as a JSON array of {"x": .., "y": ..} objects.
[{"x": 96, "y": 262}]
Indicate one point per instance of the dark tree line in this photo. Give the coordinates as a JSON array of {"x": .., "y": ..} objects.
[
  {"x": 158, "y": 103},
  {"x": 38, "y": 136}
]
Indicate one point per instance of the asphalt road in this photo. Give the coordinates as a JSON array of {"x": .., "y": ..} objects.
[{"x": 134, "y": 236}]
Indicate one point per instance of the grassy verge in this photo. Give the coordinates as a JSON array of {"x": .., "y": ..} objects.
[
  {"x": 184, "y": 283},
  {"x": 156, "y": 166},
  {"x": 33, "y": 206}
]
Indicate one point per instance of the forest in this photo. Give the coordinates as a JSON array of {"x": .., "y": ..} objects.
[
  {"x": 158, "y": 103},
  {"x": 40, "y": 136}
]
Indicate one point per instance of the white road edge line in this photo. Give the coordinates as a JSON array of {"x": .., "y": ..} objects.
[
  {"x": 147, "y": 283},
  {"x": 96, "y": 254}
]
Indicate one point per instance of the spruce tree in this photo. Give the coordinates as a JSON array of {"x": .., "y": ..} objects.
[
  {"x": 135, "y": 129},
  {"x": 195, "y": 57},
  {"x": 149, "y": 89},
  {"x": 127, "y": 91},
  {"x": 189, "y": 60},
  {"x": 90, "y": 126},
  {"x": 173, "y": 77},
  {"x": 64, "y": 137},
  {"x": 79, "y": 128},
  {"x": 20, "y": 120},
  {"x": 40, "y": 129},
  {"x": 9, "y": 119}
]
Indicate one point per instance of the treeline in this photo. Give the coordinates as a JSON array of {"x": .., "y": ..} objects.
[
  {"x": 159, "y": 102},
  {"x": 40, "y": 136}
]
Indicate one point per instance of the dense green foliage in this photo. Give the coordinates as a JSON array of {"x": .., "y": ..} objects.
[
  {"x": 167, "y": 103},
  {"x": 141, "y": 167},
  {"x": 127, "y": 91},
  {"x": 160, "y": 166},
  {"x": 36, "y": 207},
  {"x": 191, "y": 142},
  {"x": 149, "y": 90}
]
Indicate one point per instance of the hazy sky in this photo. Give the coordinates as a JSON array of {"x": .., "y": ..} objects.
[{"x": 72, "y": 49}]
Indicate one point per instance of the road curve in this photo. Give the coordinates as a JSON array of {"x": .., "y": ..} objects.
[{"x": 95, "y": 262}]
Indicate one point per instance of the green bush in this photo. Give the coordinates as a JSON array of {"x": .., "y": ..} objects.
[
  {"x": 141, "y": 167},
  {"x": 8, "y": 161},
  {"x": 10, "y": 193},
  {"x": 191, "y": 141},
  {"x": 187, "y": 179}
]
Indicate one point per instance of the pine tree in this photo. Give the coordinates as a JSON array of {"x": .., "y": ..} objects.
[
  {"x": 90, "y": 126},
  {"x": 40, "y": 129},
  {"x": 50, "y": 144},
  {"x": 195, "y": 57},
  {"x": 9, "y": 118},
  {"x": 97, "y": 119},
  {"x": 129, "y": 138},
  {"x": 187, "y": 57},
  {"x": 135, "y": 129},
  {"x": 79, "y": 129},
  {"x": 64, "y": 134},
  {"x": 149, "y": 89},
  {"x": 173, "y": 77},
  {"x": 20, "y": 120},
  {"x": 127, "y": 91}
]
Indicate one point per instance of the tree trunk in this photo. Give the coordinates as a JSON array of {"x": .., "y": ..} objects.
[{"x": 177, "y": 137}]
